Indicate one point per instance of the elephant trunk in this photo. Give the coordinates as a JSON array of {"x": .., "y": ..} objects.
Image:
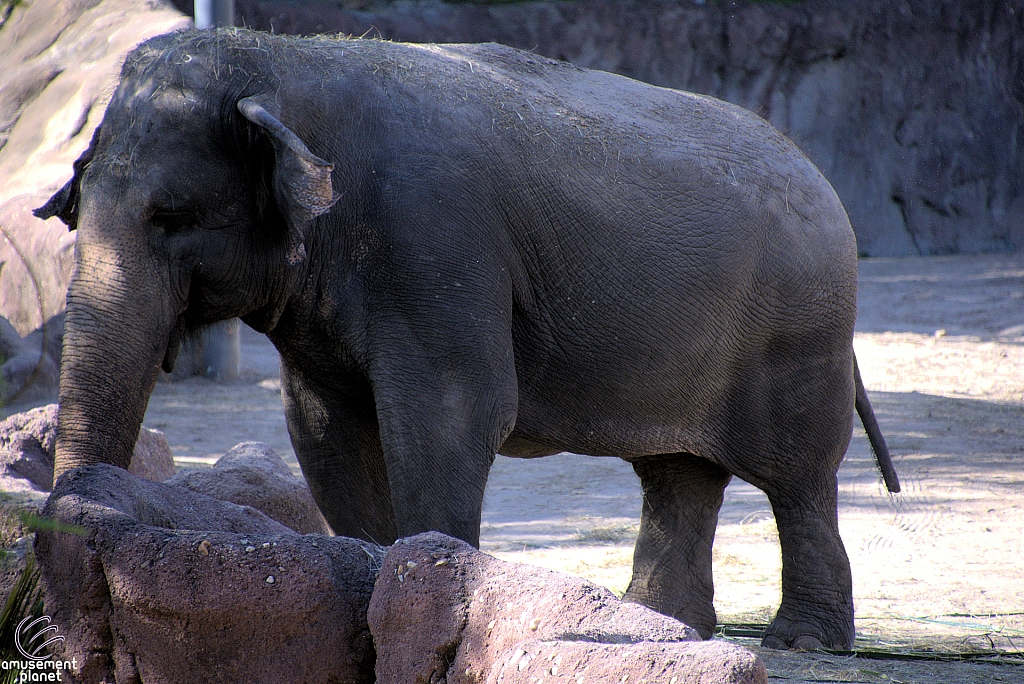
[{"x": 116, "y": 334}]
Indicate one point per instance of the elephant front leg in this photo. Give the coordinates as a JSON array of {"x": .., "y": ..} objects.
[
  {"x": 817, "y": 587},
  {"x": 672, "y": 560},
  {"x": 334, "y": 431},
  {"x": 440, "y": 432},
  {"x": 437, "y": 348}
]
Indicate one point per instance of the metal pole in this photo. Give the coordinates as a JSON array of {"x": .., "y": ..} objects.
[
  {"x": 210, "y": 13},
  {"x": 221, "y": 341},
  {"x": 203, "y": 14}
]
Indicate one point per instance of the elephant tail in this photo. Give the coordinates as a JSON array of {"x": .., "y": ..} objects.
[{"x": 867, "y": 416}]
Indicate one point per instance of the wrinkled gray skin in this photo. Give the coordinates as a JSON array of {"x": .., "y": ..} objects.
[{"x": 464, "y": 250}]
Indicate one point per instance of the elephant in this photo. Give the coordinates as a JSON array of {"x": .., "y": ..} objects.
[{"x": 466, "y": 250}]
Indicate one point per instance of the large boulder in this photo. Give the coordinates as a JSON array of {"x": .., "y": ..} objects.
[
  {"x": 167, "y": 585},
  {"x": 443, "y": 611},
  {"x": 30, "y": 365},
  {"x": 252, "y": 474},
  {"x": 28, "y": 443},
  {"x": 61, "y": 60},
  {"x": 152, "y": 458},
  {"x": 154, "y": 582}
]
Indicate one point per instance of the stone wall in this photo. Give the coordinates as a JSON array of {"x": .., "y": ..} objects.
[{"x": 913, "y": 109}]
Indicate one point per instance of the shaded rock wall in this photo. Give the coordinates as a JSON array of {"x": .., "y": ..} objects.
[
  {"x": 29, "y": 365},
  {"x": 913, "y": 109}
]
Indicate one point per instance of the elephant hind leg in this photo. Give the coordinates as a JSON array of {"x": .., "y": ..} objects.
[
  {"x": 817, "y": 587},
  {"x": 788, "y": 438},
  {"x": 672, "y": 560}
]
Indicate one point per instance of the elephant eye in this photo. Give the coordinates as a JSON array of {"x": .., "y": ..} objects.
[{"x": 173, "y": 221}]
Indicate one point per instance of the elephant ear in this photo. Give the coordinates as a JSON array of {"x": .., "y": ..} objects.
[
  {"x": 64, "y": 204},
  {"x": 302, "y": 180}
]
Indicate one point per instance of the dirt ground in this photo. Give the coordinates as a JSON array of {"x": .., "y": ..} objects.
[{"x": 938, "y": 569}]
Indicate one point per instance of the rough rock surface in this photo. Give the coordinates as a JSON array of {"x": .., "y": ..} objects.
[
  {"x": 582, "y": 661},
  {"x": 914, "y": 109},
  {"x": 167, "y": 585},
  {"x": 443, "y": 611},
  {"x": 61, "y": 60},
  {"x": 252, "y": 474},
  {"x": 30, "y": 365},
  {"x": 27, "y": 445},
  {"x": 152, "y": 458},
  {"x": 28, "y": 442}
]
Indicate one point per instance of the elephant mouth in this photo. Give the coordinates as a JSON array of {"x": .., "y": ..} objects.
[{"x": 173, "y": 345}]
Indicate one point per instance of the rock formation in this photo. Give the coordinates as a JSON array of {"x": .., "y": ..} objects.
[
  {"x": 30, "y": 365},
  {"x": 252, "y": 474},
  {"x": 155, "y": 582},
  {"x": 443, "y": 611},
  {"x": 585, "y": 662},
  {"x": 28, "y": 443},
  {"x": 165, "y": 585},
  {"x": 61, "y": 60}
]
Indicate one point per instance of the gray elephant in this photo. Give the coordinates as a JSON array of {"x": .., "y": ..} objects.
[{"x": 463, "y": 250}]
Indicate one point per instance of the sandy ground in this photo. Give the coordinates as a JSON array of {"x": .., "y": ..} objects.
[{"x": 936, "y": 568}]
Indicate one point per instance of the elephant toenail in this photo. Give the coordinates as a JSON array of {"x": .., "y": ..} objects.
[{"x": 807, "y": 643}]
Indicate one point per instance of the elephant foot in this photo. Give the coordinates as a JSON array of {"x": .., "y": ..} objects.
[
  {"x": 801, "y": 643},
  {"x": 785, "y": 634}
]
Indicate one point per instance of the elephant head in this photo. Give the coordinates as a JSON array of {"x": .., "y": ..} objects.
[{"x": 192, "y": 205}]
